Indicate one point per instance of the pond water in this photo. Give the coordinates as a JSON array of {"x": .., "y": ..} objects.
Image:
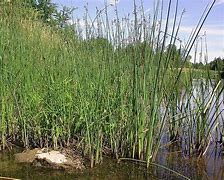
[{"x": 171, "y": 157}]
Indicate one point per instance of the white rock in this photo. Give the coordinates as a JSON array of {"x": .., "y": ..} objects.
[{"x": 52, "y": 156}]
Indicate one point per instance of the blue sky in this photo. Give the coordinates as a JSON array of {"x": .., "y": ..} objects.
[{"x": 214, "y": 25}]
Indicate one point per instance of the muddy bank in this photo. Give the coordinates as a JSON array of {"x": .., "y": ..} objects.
[{"x": 64, "y": 159}]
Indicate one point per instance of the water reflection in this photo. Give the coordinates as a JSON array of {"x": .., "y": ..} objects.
[{"x": 170, "y": 156}]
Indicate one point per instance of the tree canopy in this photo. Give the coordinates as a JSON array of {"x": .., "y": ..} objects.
[{"x": 48, "y": 11}]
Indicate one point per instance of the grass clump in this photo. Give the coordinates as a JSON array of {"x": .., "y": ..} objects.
[{"x": 58, "y": 88}]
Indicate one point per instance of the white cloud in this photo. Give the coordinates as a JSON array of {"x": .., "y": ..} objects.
[
  {"x": 212, "y": 31},
  {"x": 219, "y": 2},
  {"x": 147, "y": 10},
  {"x": 113, "y": 2},
  {"x": 215, "y": 39}
]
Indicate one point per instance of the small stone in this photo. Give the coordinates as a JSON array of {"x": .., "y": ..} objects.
[
  {"x": 27, "y": 156},
  {"x": 52, "y": 159}
]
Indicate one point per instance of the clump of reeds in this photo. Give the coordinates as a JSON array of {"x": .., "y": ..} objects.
[{"x": 114, "y": 85}]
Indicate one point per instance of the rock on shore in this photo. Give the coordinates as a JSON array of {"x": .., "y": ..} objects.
[{"x": 52, "y": 159}]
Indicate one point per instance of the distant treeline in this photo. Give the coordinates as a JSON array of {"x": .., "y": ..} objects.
[{"x": 217, "y": 65}]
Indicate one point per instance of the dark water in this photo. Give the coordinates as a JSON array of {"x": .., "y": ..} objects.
[{"x": 206, "y": 168}]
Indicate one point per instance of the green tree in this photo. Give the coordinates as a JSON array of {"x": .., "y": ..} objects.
[
  {"x": 217, "y": 64},
  {"x": 174, "y": 54},
  {"x": 47, "y": 9},
  {"x": 63, "y": 16},
  {"x": 49, "y": 13}
]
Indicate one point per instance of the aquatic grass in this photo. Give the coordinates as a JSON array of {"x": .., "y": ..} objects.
[{"x": 111, "y": 85}]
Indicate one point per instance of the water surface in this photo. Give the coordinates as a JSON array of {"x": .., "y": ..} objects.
[{"x": 205, "y": 168}]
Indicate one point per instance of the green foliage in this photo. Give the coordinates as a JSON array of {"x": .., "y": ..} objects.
[
  {"x": 55, "y": 88},
  {"x": 62, "y": 16},
  {"x": 198, "y": 65},
  {"x": 47, "y": 11},
  {"x": 217, "y": 64},
  {"x": 175, "y": 54}
]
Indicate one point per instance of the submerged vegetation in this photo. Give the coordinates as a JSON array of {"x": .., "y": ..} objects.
[{"x": 112, "y": 86}]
